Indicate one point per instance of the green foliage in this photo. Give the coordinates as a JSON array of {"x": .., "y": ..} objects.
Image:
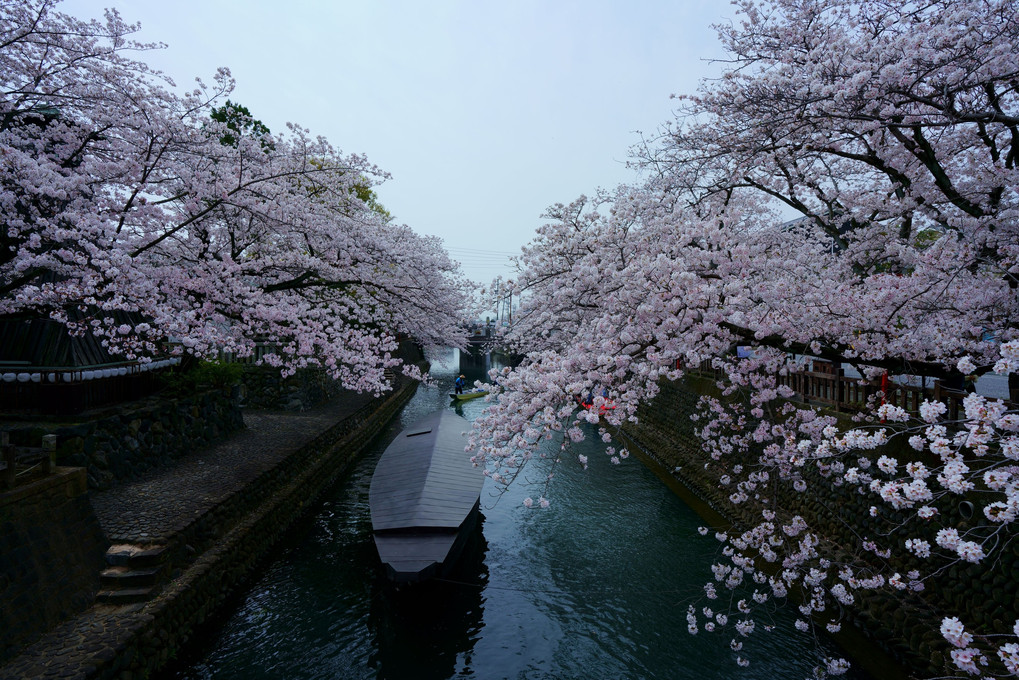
[
  {"x": 362, "y": 190},
  {"x": 238, "y": 119},
  {"x": 925, "y": 238},
  {"x": 202, "y": 375},
  {"x": 371, "y": 199}
]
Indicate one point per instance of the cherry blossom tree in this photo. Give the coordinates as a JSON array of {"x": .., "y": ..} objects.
[
  {"x": 122, "y": 199},
  {"x": 847, "y": 190}
]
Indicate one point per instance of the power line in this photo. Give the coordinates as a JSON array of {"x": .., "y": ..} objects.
[
  {"x": 481, "y": 251},
  {"x": 492, "y": 258}
]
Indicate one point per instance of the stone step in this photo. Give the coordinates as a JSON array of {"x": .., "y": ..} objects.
[
  {"x": 125, "y": 595},
  {"x": 123, "y": 576},
  {"x": 136, "y": 556},
  {"x": 134, "y": 573}
]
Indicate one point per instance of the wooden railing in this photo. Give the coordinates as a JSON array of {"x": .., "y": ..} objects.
[
  {"x": 828, "y": 386},
  {"x": 20, "y": 463},
  {"x": 261, "y": 349}
]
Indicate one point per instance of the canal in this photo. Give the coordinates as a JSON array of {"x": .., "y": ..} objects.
[{"x": 595, "y": 586}]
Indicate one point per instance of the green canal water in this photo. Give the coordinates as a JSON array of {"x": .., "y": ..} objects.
[{"x": 595, "y": 586}]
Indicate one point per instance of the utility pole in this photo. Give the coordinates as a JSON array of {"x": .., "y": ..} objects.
[{"x": 507, "y": 306}]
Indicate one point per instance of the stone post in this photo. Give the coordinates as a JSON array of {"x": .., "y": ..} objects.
[
  {"x": 49, "y": 453},
  {"x": 11, "y": 471}
]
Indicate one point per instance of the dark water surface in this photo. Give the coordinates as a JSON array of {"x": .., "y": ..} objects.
[{"x": 596, "y": 586}]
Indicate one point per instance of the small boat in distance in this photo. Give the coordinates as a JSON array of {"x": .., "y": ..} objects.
[
  {"x": 474, "y": 394},
  {"x": 424, "y": 498}
]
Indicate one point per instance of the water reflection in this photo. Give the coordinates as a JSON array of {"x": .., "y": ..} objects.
[{"x": 425, "y": 631}]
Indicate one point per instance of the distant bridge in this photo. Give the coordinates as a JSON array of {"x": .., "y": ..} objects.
[{"x": 484, "y": 345}]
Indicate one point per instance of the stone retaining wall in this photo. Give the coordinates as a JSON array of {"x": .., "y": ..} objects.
[
  {"x": 905, "y": 627},
  {"x": 124, "y": 441},
  {"x": 338, "y": 445},
  {"x": 265, "y": 388},
  {"x": 232, "y": 540},
  {"x": 51, "y": 551},
  {"x": 240, "y": 534}
]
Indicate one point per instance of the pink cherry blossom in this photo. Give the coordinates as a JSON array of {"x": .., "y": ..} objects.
[
  {"x": 886, "y": 133},
  {"x": 120, "y": 196}
]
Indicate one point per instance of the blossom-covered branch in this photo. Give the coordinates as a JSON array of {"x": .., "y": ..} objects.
[
  {"x": 120, "y": 195},
  {"x": 890, "y": 132}
]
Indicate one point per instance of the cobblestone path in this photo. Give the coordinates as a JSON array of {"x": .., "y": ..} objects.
[{"x": 152, "y": 508}]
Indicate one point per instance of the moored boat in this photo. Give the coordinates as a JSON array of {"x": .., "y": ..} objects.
[
  {"x": 424, "y": 498},
  {"x": 464, "y": 396}
]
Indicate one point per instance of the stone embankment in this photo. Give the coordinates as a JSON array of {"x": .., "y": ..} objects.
[
  {"x": 125, "y": 441},
  {"x": 187, "y": 534},
  {"x": 51, "y": 553},
  {"x": 903, "y": 625}
]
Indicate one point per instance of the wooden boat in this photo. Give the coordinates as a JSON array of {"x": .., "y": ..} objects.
[
  {"x": 424, "y": 498},
  {"x": 586, "y": 405},
  {"x": 468, "y": 395}
]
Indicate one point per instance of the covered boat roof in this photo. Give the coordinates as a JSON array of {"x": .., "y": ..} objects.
[{"x": 425, "y": 480}]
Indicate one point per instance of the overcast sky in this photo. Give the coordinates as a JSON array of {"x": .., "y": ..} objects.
[{"x": 484, "y": 113}]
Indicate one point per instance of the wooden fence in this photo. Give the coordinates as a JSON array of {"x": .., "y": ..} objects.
[
  {"x": 828, "y": 386},
  {"x": 19, "y": 464},
  {"x": 260, "y": 350}
]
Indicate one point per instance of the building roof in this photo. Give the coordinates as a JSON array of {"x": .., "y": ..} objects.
[{"x": 45, "y": 343}]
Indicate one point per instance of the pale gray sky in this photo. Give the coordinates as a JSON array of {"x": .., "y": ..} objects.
[{"x": 484, "y": 113}]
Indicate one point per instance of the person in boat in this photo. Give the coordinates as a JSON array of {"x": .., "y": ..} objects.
[
  {"x": 459, "y": 383},
  {"x": 588, "y": 401}
]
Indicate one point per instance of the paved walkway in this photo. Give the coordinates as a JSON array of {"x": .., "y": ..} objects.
[
  {"x": 152, "y": 509},
  {"x": 165, "y": 500}
]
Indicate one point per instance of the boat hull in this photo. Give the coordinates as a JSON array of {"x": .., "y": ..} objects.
[{"x": 467, "y": 395}]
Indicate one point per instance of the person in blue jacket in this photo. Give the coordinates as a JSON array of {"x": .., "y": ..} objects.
[{"x": 460, "y": 382}]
